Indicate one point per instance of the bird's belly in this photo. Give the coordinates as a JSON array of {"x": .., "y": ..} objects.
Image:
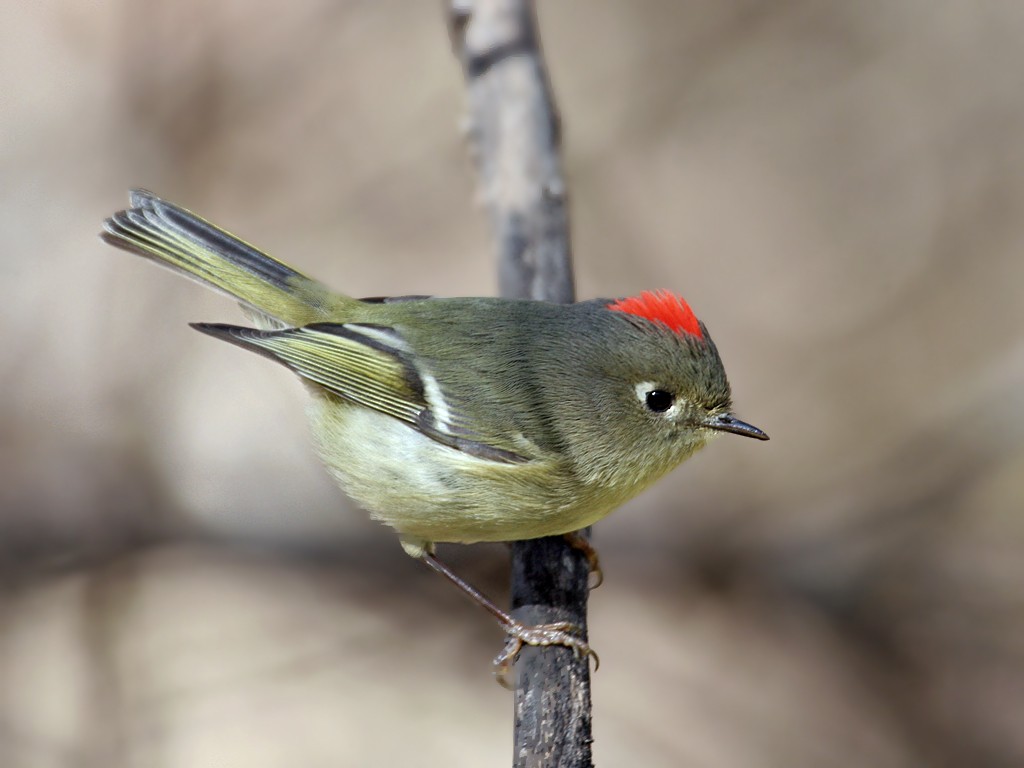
[{"x": 432, "y": 492}]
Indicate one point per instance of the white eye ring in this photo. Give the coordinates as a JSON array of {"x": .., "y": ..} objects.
[{"x": 657, "y": 399}]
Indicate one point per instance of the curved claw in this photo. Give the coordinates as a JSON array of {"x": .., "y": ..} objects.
[
  {"x": 581, "y": 543},
  {"x": 559, "y": 633}
]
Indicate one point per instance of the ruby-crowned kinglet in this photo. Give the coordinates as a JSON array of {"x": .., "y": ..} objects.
[{"x": 467, "y": 419}]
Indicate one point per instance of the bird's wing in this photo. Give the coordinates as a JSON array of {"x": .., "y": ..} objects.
[{"x": 371, "y": 366}]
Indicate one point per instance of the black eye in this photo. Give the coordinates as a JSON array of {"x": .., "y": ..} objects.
[{"x": 658, "y": 400}]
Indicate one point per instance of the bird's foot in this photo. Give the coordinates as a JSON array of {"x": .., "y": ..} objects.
[
  {"x": 581, "y": 543},
  {"x": 559, "y": 633}
]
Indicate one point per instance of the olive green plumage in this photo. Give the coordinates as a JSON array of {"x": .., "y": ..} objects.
[{"x": 466, "y": 419}]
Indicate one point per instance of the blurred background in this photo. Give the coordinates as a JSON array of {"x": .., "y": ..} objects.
[{"x": 838, "y": 189}]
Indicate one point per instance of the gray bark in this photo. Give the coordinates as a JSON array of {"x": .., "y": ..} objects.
[{"x": 513, "y": 134}]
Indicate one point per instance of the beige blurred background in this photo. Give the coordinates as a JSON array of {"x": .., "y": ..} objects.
[{"x": 838, "y": 188}]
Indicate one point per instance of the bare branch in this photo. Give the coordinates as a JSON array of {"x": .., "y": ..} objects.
[{"x": 514, "y": 138}]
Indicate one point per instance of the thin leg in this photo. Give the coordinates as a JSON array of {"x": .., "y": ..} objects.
[
  {"x": 559, "y": 633},
  {"x": 472, "y": 592},
  {"x": 582, "y": 544}
]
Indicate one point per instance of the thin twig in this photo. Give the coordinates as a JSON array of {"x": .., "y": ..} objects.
[{"x": 514, "y": 138}]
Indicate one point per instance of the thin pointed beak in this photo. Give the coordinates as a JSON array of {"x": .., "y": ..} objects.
[{"x": 726, "y": 422}]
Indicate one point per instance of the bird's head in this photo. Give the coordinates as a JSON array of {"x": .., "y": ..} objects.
[{"x": 656, "y": 388}]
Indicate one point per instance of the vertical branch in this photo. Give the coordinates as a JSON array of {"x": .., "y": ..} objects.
[{"x": 514, "y": 137}]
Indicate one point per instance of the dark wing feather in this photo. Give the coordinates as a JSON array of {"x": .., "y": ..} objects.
[{"x": 368, "y": 365}]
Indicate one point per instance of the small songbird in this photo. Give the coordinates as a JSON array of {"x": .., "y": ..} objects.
[{"x": 467, "y": 419}]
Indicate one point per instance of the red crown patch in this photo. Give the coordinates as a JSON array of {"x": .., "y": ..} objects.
[{"x": 662, "y": 307}]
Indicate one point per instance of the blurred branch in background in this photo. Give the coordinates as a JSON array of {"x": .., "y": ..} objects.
[{"x": 513, "y": 131}]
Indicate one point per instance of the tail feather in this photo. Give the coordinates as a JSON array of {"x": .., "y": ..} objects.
[{"x": 177, "y": 238}]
